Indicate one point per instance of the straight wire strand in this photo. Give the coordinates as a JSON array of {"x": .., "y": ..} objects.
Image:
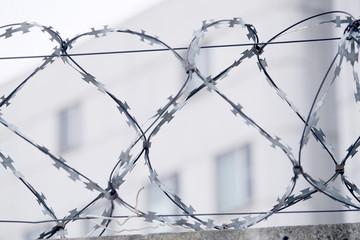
[
  {"x": 176, "y": 49},
  {"x": 185, "y": 215}
]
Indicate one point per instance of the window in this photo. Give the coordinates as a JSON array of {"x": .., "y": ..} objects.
[
  {"x": 233, "y": 179},
  {"x": 158, "y": 201},
  {"x": 90, "y": 228},
  {"x": 70, "y": 127}
]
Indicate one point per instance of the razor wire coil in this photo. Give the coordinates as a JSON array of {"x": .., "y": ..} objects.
[{"x": 347, "y": 52}]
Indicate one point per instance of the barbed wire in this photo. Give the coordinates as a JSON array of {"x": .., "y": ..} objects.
[
  {"x": 183, "y": 215},
  {"x": 176, "y": 49},
  {"x": 347, "y": 52}
]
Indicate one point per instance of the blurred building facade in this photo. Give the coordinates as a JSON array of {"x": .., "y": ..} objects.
[{"x": 211, "y": 159}]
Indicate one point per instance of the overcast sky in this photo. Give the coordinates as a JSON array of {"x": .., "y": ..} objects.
[{"x": 69, "y": 17}]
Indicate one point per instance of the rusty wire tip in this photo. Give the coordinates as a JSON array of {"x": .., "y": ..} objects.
[
  {"x": 146, "y": 144},
  {"x": 257, "y": 50},
  {"x": 113, "y": 195},
  {"x": 64, "y": 46},
  {"x": 340, "y": 168},
  {"x": 298, "y": 170},
  {"x": 225, "y": 226},
  {"x": 190, "y": 68},
  {"x": 58, "y": 227}
]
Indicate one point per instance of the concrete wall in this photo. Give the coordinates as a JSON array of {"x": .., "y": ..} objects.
[{"x": 325, "y": 231}]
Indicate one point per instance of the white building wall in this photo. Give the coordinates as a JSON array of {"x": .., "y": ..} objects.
[{"x": 203, "y": 130}]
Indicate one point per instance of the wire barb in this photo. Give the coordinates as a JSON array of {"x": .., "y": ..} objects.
[{"x": 348, "y": 51}]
